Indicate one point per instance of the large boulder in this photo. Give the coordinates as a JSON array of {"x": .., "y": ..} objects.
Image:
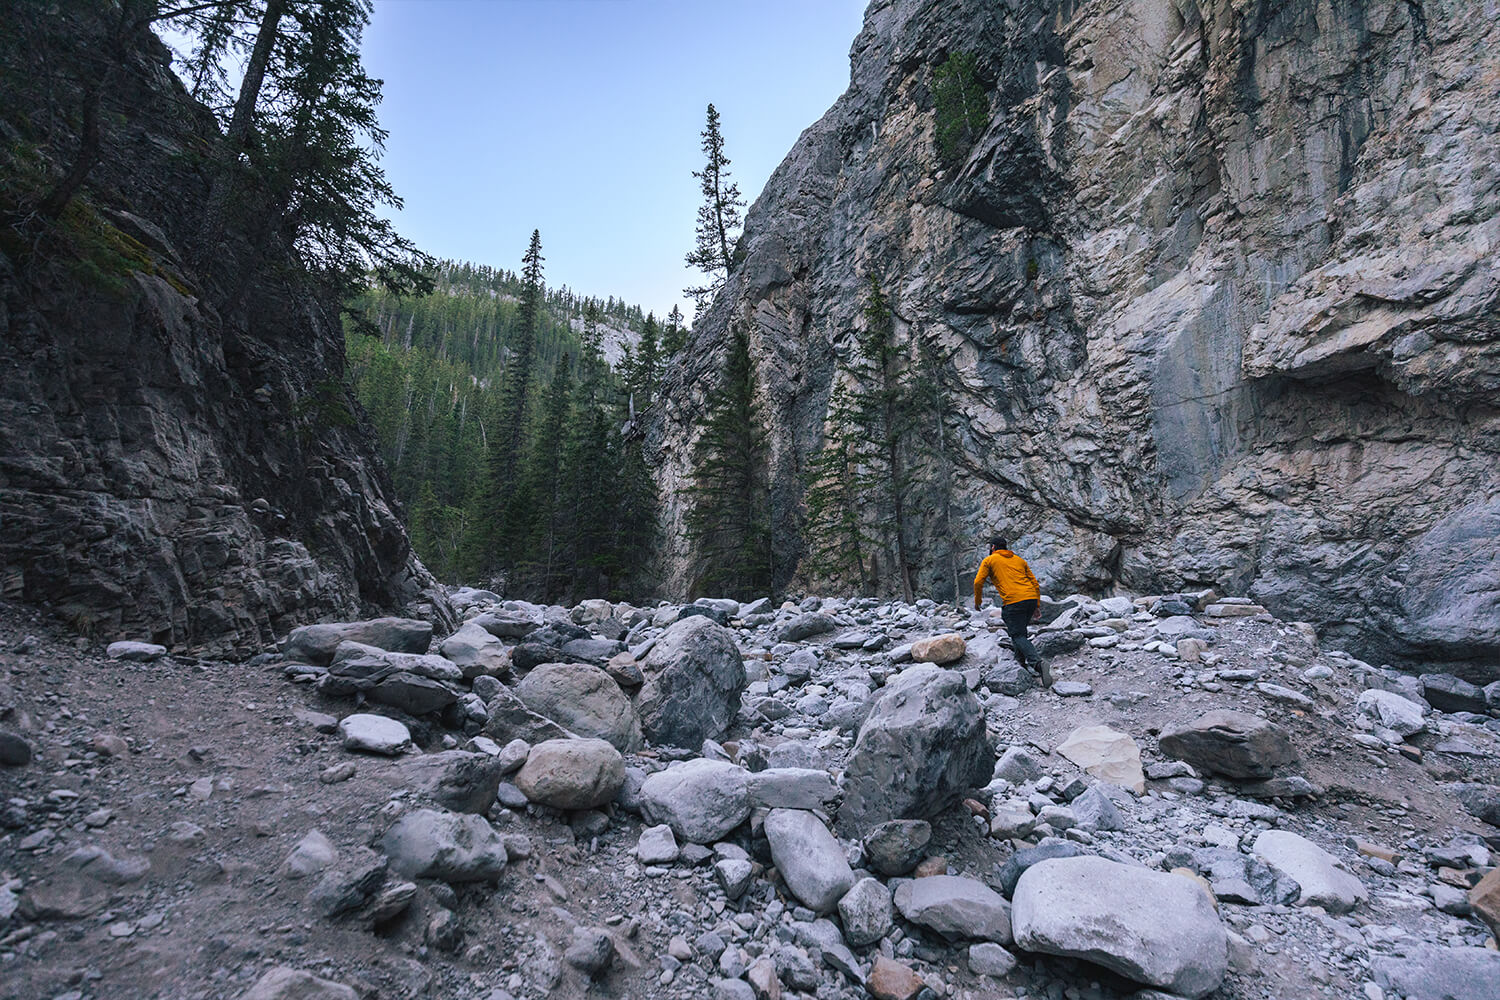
[
  {"x": 455, "y": 779},
  {"x": 476, "y": 652},
  {"x": 572, "y": 774},
  {"x": 505, "y": 623},
  {"x": 922, "y": 747},
  {"x": 510, "y": 719},
  {"x": 584, "y": 699},
  {"x": 1482, "y": 801},
  {"x": 701, "y": 800},
  {"x": 1234, "y": 744},
  {"x": 448, "y": 846},
  {"x": 1428, "y": 972},
  {"x": 805, "y": 626},
  {"x": 374, "y": 734},
  {"x": 1391, "y": 711},
  {"x": 1314, "y": 869},
  {"x": 283, "y": 983},
  {"x": 956, "y": 907},
  {"x": 694, "y": 675},
  {"x": 317, "y": 643},
  {"x": 1155, "y": 928},
  {"x": 810, "y": 860}
]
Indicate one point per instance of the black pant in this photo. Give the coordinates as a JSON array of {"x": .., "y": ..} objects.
[{"x": 1016, "y": 617}]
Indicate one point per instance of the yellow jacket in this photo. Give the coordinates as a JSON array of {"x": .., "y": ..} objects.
[{"x": 1011, "y": 576}]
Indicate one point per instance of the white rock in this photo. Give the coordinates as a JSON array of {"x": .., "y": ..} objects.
[
  {"x": 1391, "y": 711},
  {"x": 810, "y": 860},
  {"x": 657, "y": 846},
  {"x": 1323, "y": 883},
  {"x": 313, "y": 853},
  {"x": 701, "y": 800},
  {"x": 1107, "y": 754},
  {"x": 374, "y": 734},
  {"x": 1150, "y": 926}
]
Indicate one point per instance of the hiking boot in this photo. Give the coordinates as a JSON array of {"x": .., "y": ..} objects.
[{"x": 1040, "y": 666}]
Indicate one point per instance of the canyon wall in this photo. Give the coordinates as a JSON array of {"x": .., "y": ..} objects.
[{"x": 1212, "y": 298}]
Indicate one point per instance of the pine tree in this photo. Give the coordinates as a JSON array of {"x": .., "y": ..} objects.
[
  {"x": 640, "y": 374},
  {"x": 837, "y": 541},
  {"x": 729, "y": 519},
  {"x": 887, "y": 411},
  {"x": 503, "y": 523},
  {"x": 718, "y": 216},
  {"x": 550, "y": 547},
  {"x": 674, "y": 336}
]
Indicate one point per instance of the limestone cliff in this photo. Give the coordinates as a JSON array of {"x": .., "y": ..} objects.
[
  {"x": 1214, "y": 298},
  {"x": 180, "y": 459}
]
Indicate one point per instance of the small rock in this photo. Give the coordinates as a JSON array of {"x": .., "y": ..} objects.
[
  {"x": 895, "y": 847},
  {"x": 283, "y": 983},
  {"x": 657, "y": 846},
  {"x": 374, "y": 734},
  {"x": 592, "y": 950},
  {"x": 956, "y": 907},
  {"x": 139, "y": 652},
  {"x": 941, "y": 649},
  {"x": 986, "y": 958},
  {"x": 865, "y": 912},
  {"x": 1323, "y": 883},
  {"x": 890, "y": 980}
]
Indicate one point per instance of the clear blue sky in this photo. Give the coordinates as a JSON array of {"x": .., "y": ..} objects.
[{"x": 581, "y": 118}]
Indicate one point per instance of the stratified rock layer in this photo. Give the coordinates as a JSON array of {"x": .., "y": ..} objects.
[{"x": 1211, "y": 300}]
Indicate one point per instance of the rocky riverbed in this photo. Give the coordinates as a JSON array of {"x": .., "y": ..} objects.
[{"x": 830, "y": 798}]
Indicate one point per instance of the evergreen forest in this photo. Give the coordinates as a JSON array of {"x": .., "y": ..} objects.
[{"x": 507, "y": 431}]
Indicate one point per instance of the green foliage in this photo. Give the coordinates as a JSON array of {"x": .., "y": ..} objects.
[
  {"x": 861, "y": 486},
  {"x": 719, "y": 218},
  {"x": 577, "y": 511},
  {"x": 961, "y": 108},
  {"x": 729, "y": 518}
]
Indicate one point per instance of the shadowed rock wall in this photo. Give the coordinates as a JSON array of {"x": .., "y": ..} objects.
[
  {"x": 1213, "y": 299},
  {"x": 179, "y": 457}
]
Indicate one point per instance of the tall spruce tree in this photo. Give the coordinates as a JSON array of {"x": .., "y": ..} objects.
[
  {"x": 503, "y": 524},
  {"x": 729, "y": 517},
  {"x": 674, "y": 335},
  {"x": 718, "y": 217},
  {"x": 888, "y": 411},
  {"x": 836, "y": 540}
]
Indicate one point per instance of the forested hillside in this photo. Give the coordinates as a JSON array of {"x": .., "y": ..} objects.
[{"x": 504, "y": 412}]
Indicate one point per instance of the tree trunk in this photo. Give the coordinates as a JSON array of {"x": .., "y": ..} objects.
[{"x": 240, "y": 121}]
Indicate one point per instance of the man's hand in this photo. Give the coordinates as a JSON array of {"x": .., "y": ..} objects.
[{"x": 1036, "y": 615}]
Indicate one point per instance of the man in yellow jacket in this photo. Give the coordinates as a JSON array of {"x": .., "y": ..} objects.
[{"x": 1020, "y": 600}]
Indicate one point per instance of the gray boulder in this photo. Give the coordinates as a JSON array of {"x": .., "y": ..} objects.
[
  {"x": 922, "y": 748},
  {"x": 583, "y": 699},
  {"x": 1432, "y": 973},
  {"x": 701, "y": 800},
  {"x": 1155, "y": 928},
  {"x": 694, "y": 675},
  {"x": 1391, "y": 711},
  {"x": 1094, "y": 811},
  {"x": 572, "y": 773},
  {"x": 317, "y": 643},
  {"x": 1447, "y": 693},
  {"x": 284, "y": 983},
  {"x": 446, "y": 846},
  {"x": 508, "y": 624},
  {"x": 791, "y": 788},
  {"x": 510, "y": 720},
  {"x": 455, "y": 779},
  {"x": 806, "y": 626},
  {"x": 810, "y": 860},
  {"x": 1314, "y": 869},
  {"x": 374, "y": 734},
  {"x": 476, "y": 652},
  {"x": 956, "y": 907},
  {"x": 865, "y": 911},
  {"x": 1480, "y": 800},
  {"x": 1234, "y": 744},
  {"x": 413, "y": 694},
  {"x": 896, "y": 846}
]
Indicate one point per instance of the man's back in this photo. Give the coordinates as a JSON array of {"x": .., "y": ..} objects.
[{"x": 1011, "y": 576}]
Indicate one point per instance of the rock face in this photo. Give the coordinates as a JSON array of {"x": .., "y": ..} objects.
[
  {"x": 694, "y": 675},
  {"x": 923, "y": 745},
  {"x": 1146, "y": 320},
  {"x": 1154, "y": 927},
  {"x": 183, "y": 461}
]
